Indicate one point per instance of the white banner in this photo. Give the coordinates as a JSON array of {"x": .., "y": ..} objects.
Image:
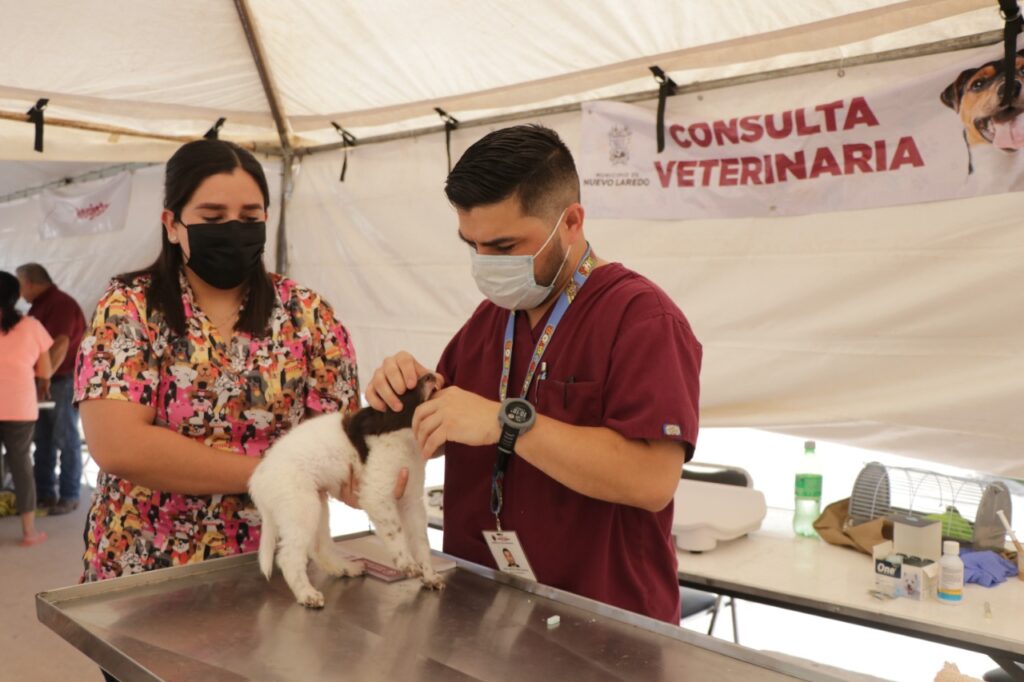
[
  {"x": 903, "y": 132},
  {"x": 73, "y": 211}
]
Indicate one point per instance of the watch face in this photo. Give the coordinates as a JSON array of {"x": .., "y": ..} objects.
[{"x": 518, "y": 411}]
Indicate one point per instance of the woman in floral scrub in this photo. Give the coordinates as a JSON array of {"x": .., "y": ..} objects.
[{"x": 193, "y": 367}]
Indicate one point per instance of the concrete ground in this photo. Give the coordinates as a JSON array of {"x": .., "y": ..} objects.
[{"x": 28, "y": 649}]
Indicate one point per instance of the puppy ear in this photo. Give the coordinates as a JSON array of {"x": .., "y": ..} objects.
[{"x": 952, "y": 95}]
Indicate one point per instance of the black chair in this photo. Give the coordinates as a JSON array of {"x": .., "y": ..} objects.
[
  {"x": 697, "y": 602},
  {"x": 1003, "y": 674},
  {"x": 711, "y": 473}
]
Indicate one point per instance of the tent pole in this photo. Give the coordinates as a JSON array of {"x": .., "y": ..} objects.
[
  {"x": 277, "y": 111},
  {"x": 938, "y": 47},
  {"x": 97, "y": 128},
  {"x": 266, "y": 79},
  {"x": 845, "y": 29},
  {"x": 128, "y": 132},
  {"x": 96, "y": 174},
  {"x": 281, "y": 253}
]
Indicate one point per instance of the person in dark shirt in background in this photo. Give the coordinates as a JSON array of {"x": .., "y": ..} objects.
[{"x": 57, "y": 429}]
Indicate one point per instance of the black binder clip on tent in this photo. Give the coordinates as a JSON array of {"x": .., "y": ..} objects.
[
  {"x": 35, "y": 116},
  {"x": 214, "y": 132},
  {"x": 1010, "y": 11},
  {"x": 450, "y": 124},
  {"x": 347, "y": 140},
  {"x": 666, "y": 88}
]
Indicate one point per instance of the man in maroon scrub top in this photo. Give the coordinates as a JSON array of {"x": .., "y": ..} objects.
[{"x": 610, "y": 369}]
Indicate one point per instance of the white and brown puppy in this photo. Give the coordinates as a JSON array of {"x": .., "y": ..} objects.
[{"x": 290, "y": 488}]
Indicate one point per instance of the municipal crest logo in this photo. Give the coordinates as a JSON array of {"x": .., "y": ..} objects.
[{"x": 618, "y": 145}]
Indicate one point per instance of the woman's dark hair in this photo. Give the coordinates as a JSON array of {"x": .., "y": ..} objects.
[
  {"x": 10, "y": 290},
  {"x": 186, "y": 170}
]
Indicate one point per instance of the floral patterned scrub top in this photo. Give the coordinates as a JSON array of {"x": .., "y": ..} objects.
[{"x": 238, "y": 397}]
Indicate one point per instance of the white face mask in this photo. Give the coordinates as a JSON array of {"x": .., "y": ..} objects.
[{"x": 509, "y": 282}]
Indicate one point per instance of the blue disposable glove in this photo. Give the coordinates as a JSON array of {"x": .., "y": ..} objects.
[{"x": 986, "y": 568}]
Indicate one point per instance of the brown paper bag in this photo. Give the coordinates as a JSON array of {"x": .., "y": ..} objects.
[{"x": 835, "y": 527}]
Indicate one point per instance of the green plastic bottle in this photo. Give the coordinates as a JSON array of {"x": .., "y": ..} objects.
[{"x": 808, "y": 493}]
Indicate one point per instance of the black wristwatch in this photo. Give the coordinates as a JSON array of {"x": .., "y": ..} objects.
[{"x": 516, "y": 416}]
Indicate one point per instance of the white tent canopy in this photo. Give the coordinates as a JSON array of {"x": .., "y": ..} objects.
[
  {"x": 175, "y": 68},
  {"x": 889, "y": 328}
]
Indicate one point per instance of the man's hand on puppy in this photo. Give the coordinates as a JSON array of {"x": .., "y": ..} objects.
[
  {"x": 456, "y": 415},
  {"x": 396, "y": 375}
]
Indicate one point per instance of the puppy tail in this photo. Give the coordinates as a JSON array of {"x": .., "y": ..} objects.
[{"x": 268, "y": 545}]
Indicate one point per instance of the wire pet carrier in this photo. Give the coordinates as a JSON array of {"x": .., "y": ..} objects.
[{"x": 965, "y": 506}]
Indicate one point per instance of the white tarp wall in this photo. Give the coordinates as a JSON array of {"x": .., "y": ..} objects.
[
  {"x": 895, "y": 329},
  {"x": 83, "y": 265}
]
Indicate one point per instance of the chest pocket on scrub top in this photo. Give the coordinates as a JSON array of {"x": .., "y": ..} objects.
[{"x": 573, "y": 402}]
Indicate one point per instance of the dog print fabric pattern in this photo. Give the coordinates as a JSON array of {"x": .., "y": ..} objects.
[{"x": 239, "y": 395}]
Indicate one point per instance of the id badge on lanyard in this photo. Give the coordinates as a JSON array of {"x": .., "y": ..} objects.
[
  {"x": 508, "y": 553},
  {"x": 504, "y": 544}
]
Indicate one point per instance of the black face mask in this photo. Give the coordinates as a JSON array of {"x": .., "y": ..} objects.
[{"x": 225, "y": 254}]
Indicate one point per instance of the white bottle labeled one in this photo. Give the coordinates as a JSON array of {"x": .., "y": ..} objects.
[{"x": 951, "y": 574}]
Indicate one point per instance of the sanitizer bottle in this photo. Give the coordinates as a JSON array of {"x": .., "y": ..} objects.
[{"x": 951, "y": 574}]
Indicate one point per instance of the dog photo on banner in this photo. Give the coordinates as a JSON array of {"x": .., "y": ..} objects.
[{"x": 940, "y": 128}]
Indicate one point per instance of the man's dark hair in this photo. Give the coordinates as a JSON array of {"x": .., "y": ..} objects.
[
  {"x": 186, "y": 169},
  {"x": 529, "y": 162},
  {"x": 34, "y": 273}
]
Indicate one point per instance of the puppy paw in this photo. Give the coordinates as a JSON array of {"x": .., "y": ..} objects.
[
  {"x": 405, "y": 564},
  {"x": 432, "y": 581},
  {"x": 343, "y": 568},
  {"x": 311, "y": 599}
]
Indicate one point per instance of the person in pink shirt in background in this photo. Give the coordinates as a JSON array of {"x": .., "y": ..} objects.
[{"x": 24, "y": 373}]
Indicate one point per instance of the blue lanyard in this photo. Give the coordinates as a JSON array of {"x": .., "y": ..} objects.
[{"x": 579, "y": 278}]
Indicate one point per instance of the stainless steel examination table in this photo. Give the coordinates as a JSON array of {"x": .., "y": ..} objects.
[{"x": 220, "y": 620}]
